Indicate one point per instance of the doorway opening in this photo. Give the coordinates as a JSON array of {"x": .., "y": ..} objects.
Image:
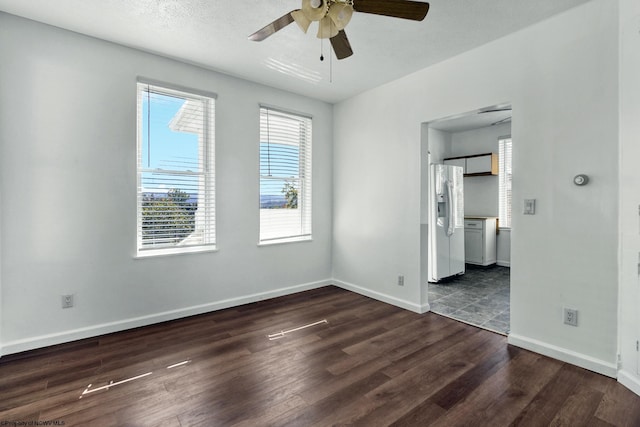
[{"x": 477, "y": 146}]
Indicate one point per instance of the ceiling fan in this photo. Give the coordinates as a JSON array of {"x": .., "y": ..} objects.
[
  {"x": 495, "y": 110},
  {"x": 334, "y": 15}
]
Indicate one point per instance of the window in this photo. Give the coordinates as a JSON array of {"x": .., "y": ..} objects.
[
  {"x": 175, "y": 207},
  {"x": 504, "y": 184},
  {"x": 285, "y": 176}
]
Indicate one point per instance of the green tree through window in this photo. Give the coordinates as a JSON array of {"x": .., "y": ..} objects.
[{"x": 170, "y": 218}]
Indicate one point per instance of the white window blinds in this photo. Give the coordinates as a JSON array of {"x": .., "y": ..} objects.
[
  {"x": 285, "y": 176},
  {"x": 175, "y": 204},
  {"x": 504, "y": 181}
]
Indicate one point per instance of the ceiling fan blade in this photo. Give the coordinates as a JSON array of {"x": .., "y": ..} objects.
[
  {"x": 506, "y": 119},
  {"x": 406, "y": 9},
  {"x": 341, "y": 45},
  {"x": 495, "y": 110},
  {"x": 272, "y": 28}
]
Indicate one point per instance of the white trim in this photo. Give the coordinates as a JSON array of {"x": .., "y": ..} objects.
[
  {"x": 176, "y": 87},
  {"x": 285, "y": 110},
  {"x": 630, "y": 381},
  {"x": 284, "y": 240},
  {"x": 564, "y": 355},
  {"x": 407, "y": 305},
  {"x": 504, "y": 263},
  {"x": 174, "y": 250},
  {"x": 121, "y": 325}
]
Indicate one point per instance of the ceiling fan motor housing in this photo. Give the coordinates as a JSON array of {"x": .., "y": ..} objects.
[
  {"x": 332, "y": 16},
  {"x": 315, "y": 10}
]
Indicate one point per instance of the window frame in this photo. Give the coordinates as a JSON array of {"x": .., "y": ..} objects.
[
  {"x": 505, "y": 183},
  {"x": 304, "y": 176},
  {"x": 206, "y": 149}
]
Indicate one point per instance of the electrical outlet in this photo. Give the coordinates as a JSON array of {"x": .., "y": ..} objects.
[
  {"x": 570, "y": 316},
  {"x": 67, "y": 301},
  {"x": 400, "y": 280}
]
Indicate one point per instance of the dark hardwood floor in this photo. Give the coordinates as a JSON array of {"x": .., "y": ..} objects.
[{"x": 371, "y": 364}]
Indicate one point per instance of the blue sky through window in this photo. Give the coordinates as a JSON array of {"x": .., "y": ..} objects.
[{"x": 163, "y": 147}]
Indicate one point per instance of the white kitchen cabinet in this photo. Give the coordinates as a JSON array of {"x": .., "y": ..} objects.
[
  {"x": 477, "y": 164},
  {"x": 457, "y": 162},
  {"x": 480, "y": 240}
]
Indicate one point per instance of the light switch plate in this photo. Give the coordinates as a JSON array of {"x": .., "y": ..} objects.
[{"x": 529, "y": 207}]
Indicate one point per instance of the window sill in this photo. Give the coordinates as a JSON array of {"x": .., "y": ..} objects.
[
  {"x": 154, "y": 253},
  {"x": 285, "y": 241}
]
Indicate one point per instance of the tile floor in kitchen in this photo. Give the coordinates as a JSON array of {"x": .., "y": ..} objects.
[{"x": 479, "y": 297}]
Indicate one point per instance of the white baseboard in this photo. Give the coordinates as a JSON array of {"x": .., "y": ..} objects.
[
  {"x": 121, "y": 325},
  {"x": 504, "y": 263},
  {"x": 565, "y": 355},
  {"x": 630, "y": 381},
  {"x": 382, "y": 297},
  {"x": 424, "y": 308}
]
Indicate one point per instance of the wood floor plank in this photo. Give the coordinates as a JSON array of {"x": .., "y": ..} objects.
[
  {"x": 546, "y": 404},
  {"x": 274, "y": 415},
  {"x": 579, "y": 408},
  {"x": 371, "y": 364},
  {"x": 382, "y": 345},
  {"x": 616, "y": 408},
  {"x": 458, "y": 389},
  {"x": 422, "y": 415},
  {"x": 405, "y": 392},
  {"x": 428, "y": 349},
  {"x": 336, "y": 383},
  {"x": 319, "y": 408},
  {"x": 500, "y": 399}
]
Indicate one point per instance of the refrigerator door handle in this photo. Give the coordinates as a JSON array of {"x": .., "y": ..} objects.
[{"x": 450, "y": 209}]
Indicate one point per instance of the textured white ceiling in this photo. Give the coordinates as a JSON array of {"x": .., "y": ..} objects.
[{"x": 213, "y": 34}]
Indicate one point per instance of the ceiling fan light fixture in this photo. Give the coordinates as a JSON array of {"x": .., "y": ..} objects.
[
  {"x": 301, "y": 19},
  {"x": 315, "y": 10},
  {"x": 326, "y": 28},
  {"x": 340, "y": 14}
]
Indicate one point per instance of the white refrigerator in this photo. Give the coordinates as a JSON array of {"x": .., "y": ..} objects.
[{"x": 446, "y": 222}]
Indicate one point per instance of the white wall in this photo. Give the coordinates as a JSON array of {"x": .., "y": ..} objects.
[
  {"x": 561, "y": 79},
  {"x": 1, "y": 180},
  {"x": 68, "y": 192},
  {"x": 440, "y": 144},
  {"x": 480, "y": 192},
  {"x": 503, "y": 247},
  {"x": 629, "y": 316}
]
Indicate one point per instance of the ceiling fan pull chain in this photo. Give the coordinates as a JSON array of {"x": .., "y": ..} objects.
[{"x": 330, "y": 66}]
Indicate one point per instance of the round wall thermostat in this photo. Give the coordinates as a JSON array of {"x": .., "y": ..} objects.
[{"x": 580, "y": 179}]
